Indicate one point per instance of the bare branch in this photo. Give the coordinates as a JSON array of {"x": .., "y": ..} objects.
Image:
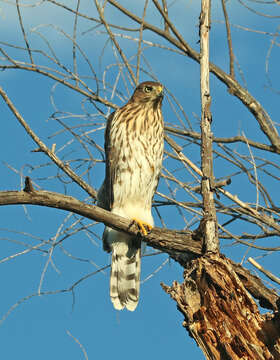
[
  {"x": 65, "y": 167},
  {"x": 177, "y": 243},
  {"x": 210, "y": 232},
  {"x": 265, "y": 272},
  {"x": 235, "y": 88},
  {"x": 80, "y": 345},
  {"x": 229, "y": 39},
  {"x": 140, "y": 43},
  {"x": 172, "y": 240},
  {"x": 233, "y": 139},
  {"x": 112, "y": 37},
  {"x": 23, "y": 32}
]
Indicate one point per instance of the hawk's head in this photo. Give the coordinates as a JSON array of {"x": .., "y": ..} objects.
[{"x": 148, "y": 92}]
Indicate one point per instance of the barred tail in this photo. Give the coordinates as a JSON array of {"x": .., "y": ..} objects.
[{"x": 125, "y": 273}]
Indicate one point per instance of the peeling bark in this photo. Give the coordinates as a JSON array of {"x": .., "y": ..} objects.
[{"x": 221, "y": 315}]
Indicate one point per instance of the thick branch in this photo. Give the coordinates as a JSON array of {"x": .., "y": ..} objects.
[
  {"x": 176, "y": 243},
  {"x": 210, "y": 232},
  {"x": 163, "y": 239}
]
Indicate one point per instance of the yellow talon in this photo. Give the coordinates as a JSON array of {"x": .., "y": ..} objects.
[{"x": 143, "y": 226}]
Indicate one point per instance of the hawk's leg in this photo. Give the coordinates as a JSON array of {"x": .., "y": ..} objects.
[{"x": 143, "y": 227}]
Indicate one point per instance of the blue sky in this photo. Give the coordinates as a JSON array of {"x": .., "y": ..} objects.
[{"x": 41, "y": 326}]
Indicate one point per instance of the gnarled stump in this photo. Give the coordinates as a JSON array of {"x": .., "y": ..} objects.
[{"x": 221, "y": 315}]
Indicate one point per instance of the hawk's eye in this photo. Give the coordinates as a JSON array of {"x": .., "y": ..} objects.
[{"x": 148, "y": 89}]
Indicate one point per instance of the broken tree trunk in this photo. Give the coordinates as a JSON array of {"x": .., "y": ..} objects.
[{"x": 221, "y": 315}]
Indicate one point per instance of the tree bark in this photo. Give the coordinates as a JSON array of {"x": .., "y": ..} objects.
[
  {"x": 219, "y": 312},
  {"x": 221, "y": 315},
  {"x": 180, "y": 245},
  {"x": 209, "y": 223}
]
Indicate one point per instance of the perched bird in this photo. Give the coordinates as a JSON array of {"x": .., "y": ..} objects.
[{"x": 134, "y": 151}]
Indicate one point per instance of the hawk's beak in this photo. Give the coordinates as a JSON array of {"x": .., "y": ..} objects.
[{"x": 159, "y": 90}]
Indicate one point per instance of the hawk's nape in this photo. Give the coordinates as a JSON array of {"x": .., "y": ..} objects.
[{"x": 134, "y": 151}]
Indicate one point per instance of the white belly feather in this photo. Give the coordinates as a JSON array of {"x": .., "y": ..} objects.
[{"x": 136, "y": 179}]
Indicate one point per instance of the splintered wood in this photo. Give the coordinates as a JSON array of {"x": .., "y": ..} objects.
[{"x": 221, "y": 315}]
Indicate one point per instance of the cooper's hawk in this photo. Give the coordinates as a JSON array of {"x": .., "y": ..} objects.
[{"x": 134, "y": 151}]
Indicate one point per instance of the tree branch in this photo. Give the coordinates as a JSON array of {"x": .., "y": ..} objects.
[
  {"x": 180, "y": 245},
  {"x": 228, "y": 140},
  {"x": 229, "y": 40},
  {"x": 64, "y": 167},
  {"x": 163, "y": 239},
  {"x": 209, "y": 222},
  {"x": 235, "y": 88}
]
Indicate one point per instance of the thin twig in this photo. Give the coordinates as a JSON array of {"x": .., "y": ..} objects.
[
  {"x": 265, "y": 272},
  {"x": 51, "y": 292},
  {"x": 112, "y": 37},
  {"x": 140, "y": 42},
  {"x": 23, "y": 33},
  {"x": 264, "y": 120},
  {"x": 74, "y": 42},
  {"x": 229, "y": 40},
  {"x": 80, "y": 345},
  {"x": 165, "y": 9},
  {"x": 228, "y": 140},
  {"x": 64, "y": 167}
]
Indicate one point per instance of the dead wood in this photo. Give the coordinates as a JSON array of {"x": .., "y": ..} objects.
[{"x": 220, "y": 314}]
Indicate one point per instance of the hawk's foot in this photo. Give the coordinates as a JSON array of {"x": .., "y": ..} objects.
[{"x": 143, "y": 227}]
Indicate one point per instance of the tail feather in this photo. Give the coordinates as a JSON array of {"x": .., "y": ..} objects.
[{"x": 125, "y": 273}]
